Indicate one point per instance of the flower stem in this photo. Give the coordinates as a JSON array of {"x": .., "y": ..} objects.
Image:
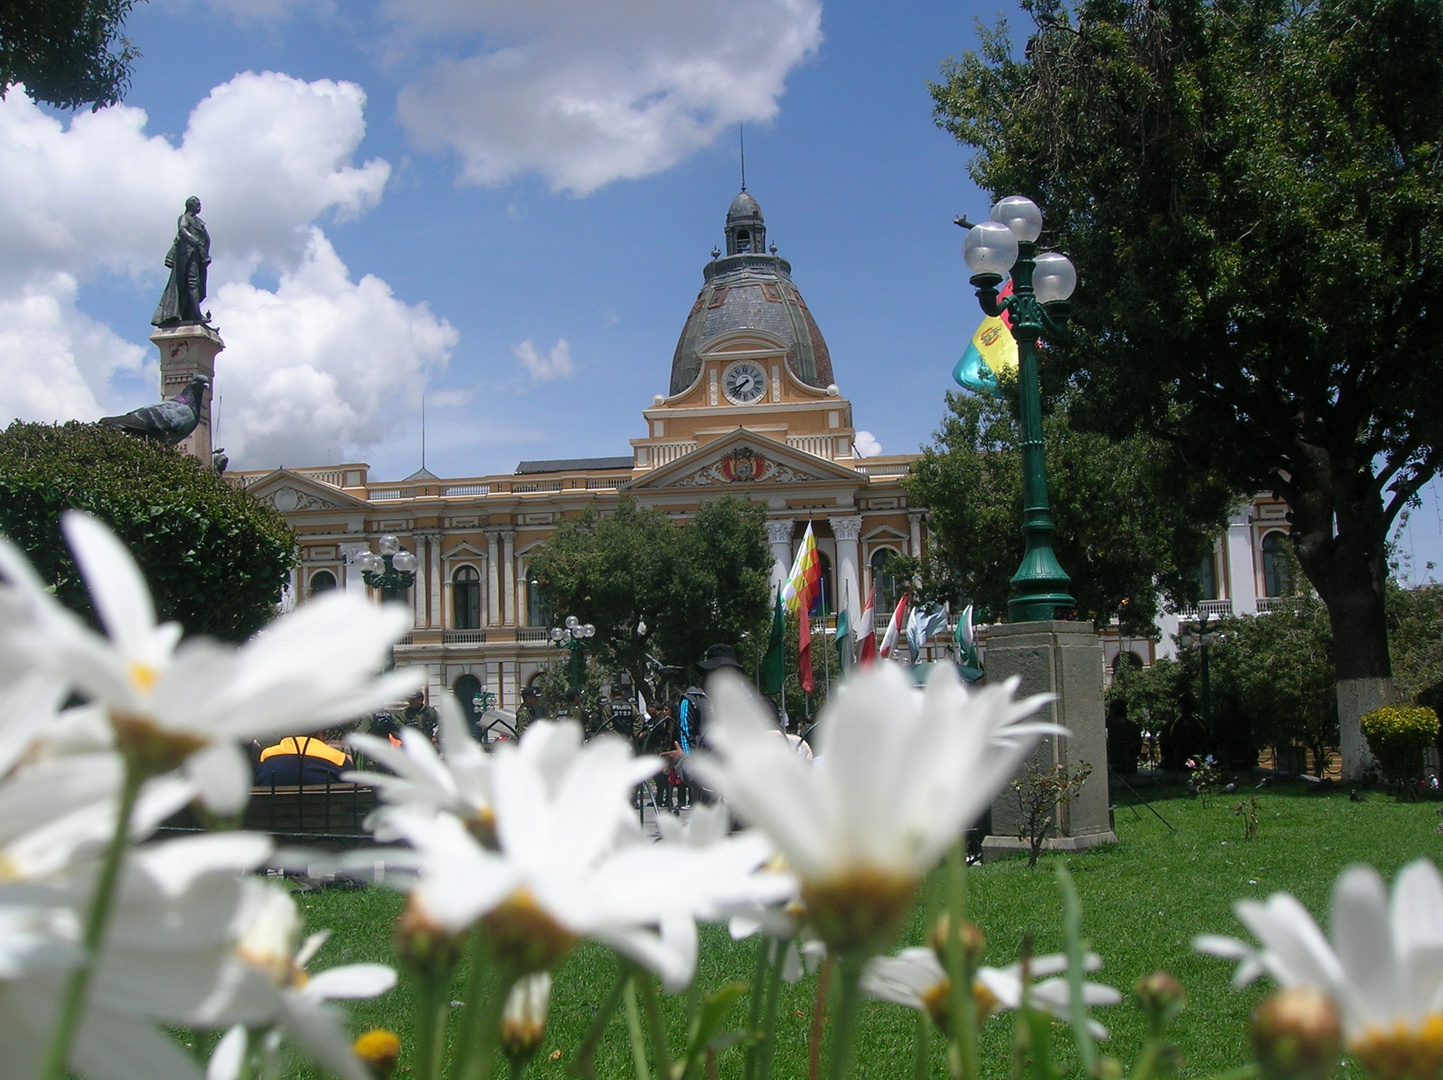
[
  {"x": 98, "y": 918},
  {"x": 633, "y": 1028},
  {"x": 844, "y": 1016},
  {"x": 965, "y": 1060},
  {"x": 482, "y": 1019},
  {"x": 582, "y": 1065},
  {"x": 768, "y": 1045},
  {"x": 655, "y": 1025},
  {"x": 754, "y": 1014},
  {"x": 1076, "y": 970},
  {"x": 819, "y": 1015},
  {"x": 922, "y": 1048},
  {"x": 431, "y": 1006}
]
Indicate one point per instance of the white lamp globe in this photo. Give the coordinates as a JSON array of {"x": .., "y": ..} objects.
[
  {"x": 404, "y": 562},
  {"x": 572, "y": 622},
  {"x": 370, "y": 563},
  {"x": 389, "y": 545},
  {"x": 588, "y": 630},
  {"x": 557, "y": 633},
  {"x": 990, "y": 248},
  {"x": 1053, "y": 277},
  {"x": 1020, "y": 214}
]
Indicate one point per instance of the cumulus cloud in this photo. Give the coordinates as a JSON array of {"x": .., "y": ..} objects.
[
  {"x": 322, "y": 363},
  {"x": 318, "y": 364},
  {"x": 586, "y": 94},
  {"x": 556, "y": 364},
  {"x": 865, "y": 444}
]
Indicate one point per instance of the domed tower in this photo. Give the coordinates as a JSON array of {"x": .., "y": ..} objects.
[{"x": 750, "y": 288}]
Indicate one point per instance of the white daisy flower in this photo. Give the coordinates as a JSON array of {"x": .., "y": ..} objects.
[
  {"x": 523, "y": 1020},
  {"x": 566, "y": 863},
  {"x": 916, "y": 978},
  {"x": 196, "y": 702},
  {"x": 1383, "y": 968},
  {"x": 898, "y": 777},
  {"x": 273, "y": 989}
]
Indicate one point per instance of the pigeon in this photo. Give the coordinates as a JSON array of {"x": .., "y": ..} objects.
[{"x": 168, "y": 422}]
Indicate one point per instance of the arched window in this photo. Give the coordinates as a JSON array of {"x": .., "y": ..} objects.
[
  {"x": 538, "y": 611},
  {"x": 467, "y": 689},
  {"x": 1277, "y": 575},
  {"x": 744, "y": 241},
  {"x": 466, "y": 599},
  {"x": 1127, "y": 659},
  {"x": 322, "y": 581},
  {"x": 884, "y": 581}
]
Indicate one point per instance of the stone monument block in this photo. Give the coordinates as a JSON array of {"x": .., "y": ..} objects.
[
  {"x": 1065, "y": 659},
  {"x": 185, "y": 351}
]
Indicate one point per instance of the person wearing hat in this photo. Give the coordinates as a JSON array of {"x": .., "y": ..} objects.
[
  {"x": 528, "y": 710},
  {"x": 692, "y": 717},
  {"x": 419, "y": 715}
]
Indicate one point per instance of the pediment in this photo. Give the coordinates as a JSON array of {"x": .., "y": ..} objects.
[
  {"x": 744, "y": 459},
  {"x": 290, "y": 493},
  {"x": 464, "y": 550},
  {"x": 734, "y": 344}
]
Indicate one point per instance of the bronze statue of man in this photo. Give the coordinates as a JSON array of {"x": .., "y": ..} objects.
[{"x": 188, "y": 258}]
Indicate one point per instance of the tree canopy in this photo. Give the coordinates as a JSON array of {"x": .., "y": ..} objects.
[
  {"x": 68, "y": 53},
  {"x": 692, "y": 584},
  {"x": 1253, "y": 194},
  {"x": 1133, "y": 521},
  {"x": 215, "y": 558}
]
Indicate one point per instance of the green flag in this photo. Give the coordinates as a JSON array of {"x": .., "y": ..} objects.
[
  {"x": 844, "y": 641},
  {"x": 774, "y": 663}
]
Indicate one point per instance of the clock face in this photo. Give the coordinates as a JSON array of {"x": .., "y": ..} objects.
[{"x": 744, "y": 383}]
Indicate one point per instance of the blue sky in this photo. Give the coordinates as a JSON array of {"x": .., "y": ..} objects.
[{"x": 503, "y": 206}]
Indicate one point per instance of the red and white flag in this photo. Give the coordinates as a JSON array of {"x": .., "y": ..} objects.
[
  {"x": 867, "y": 632},
  {"x": 894, "y": 628}
]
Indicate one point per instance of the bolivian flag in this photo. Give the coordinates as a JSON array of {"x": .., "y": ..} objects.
[{"x": 991, "y": 351}]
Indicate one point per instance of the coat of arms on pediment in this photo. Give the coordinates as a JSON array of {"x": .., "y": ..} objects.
[
  {"x": 743, "y": 466},
  {"x": 288, "y": 499}
]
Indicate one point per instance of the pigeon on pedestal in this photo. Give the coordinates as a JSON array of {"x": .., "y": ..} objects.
[{"x": 168, "y": 422}]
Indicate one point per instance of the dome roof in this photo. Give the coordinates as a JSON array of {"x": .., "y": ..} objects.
[{"x": 748, "y": 289}]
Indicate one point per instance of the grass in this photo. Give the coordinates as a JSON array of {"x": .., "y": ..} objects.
[{"x": 1143, "y": 900}]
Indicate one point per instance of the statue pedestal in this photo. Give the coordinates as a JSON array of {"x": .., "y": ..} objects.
[
  {"x": 1062, "y": 658},
  {"x": 187, "y": 351}
]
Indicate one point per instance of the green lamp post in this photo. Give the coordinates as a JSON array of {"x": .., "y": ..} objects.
[
  {"x": 573, "y": 636},
  {"x": 1038, "y": 306},
  {"x": 391, "y": 572}
]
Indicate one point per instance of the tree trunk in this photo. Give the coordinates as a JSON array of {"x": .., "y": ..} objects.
[{"x": 1339, "y": 532}]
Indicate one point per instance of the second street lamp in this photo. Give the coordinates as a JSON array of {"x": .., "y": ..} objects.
[
  {"x": 573, "y": 636},
  {"x": 1038, "y": 307},
  {"x": 391, "y": 572}
]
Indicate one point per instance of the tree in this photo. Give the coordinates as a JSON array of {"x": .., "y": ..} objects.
[
  {"x": 68, "y": 53},
  {"x": 1133, "y": 522},
  {"x": 692, "y": 584},
  {"x": 1253, "y": 193},
  {"x": 215, "y": 558},
  {"x": 1415, "y": 641}
]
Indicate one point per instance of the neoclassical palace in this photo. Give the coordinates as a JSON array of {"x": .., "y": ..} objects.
[{"x": 752, "y": 409}]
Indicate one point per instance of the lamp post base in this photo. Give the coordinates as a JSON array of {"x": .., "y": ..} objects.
[{"x": 1064, "y": 659}]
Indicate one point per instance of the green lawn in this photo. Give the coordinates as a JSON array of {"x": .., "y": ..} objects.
[{"x": 1143, "y": 900}]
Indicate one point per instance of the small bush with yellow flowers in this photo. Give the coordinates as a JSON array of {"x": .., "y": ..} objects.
[{"x": 1397, "y": 735}]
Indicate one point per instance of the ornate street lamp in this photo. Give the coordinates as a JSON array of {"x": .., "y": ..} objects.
[
  {"x": 1039, "y": 306},
  {"x": 391, "y": 572},
  {"x": 1201, "y": 639},
  {"x": 572, "y": 635}
]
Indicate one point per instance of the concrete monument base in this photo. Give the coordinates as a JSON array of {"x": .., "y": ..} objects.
[
  {"x": 187, "y": 351},
  {"x": 1065, "y": 659}
]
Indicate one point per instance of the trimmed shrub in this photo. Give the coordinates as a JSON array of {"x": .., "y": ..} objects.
[{"x": 1397, "y": 735}]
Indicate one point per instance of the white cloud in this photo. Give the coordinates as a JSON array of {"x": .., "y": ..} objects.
[
  {"x": 589, "y": 93},
  {"x": 866, "y": 445},
  {"x": 557, "y": 364},
  {"x": 323, "y": 364}
]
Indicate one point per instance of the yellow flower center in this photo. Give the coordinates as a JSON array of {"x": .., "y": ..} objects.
[
  {"x": 858, "y": 910},
  {"x": 149, "y": 749},
  {"x": 379, "y": 1049},
  {"x": 937, "y": 1001},
  {"x": 526, "y": 939},
  {"x": 482, "y": 828},
  {"x": 142, "y": 676},
  {"x": 1402, "y": 1052}
]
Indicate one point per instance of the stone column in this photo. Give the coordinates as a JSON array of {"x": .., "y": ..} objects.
[
  {"x": 1241, "y": 569},
  {"x": 493, "y": 578},
  {"x": 1064, "y": 659},
  {"x": 848, "y": 530},
  {"x": 350, "y": 573},
  {"x": 914, "y": 520},
  {"x": 433, "y": 576},
  {"x": 779, "y": 536},
  {"x": 187, "y": 351},
  {"x": 508, "y": 594}
]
